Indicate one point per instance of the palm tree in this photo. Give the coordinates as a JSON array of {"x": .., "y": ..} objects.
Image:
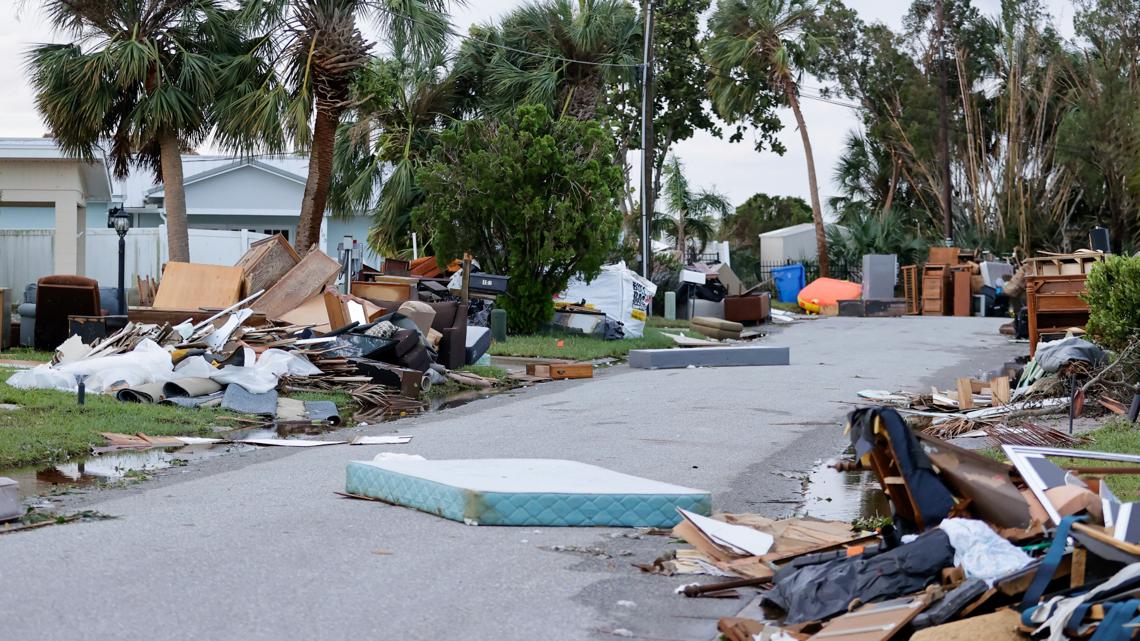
[
  {"x": 602, "y": 37},
  {"x": 140, "y": 76},
  {"x": 689, "y": 213},
  {"x": 293, "y": 83},
  {"x": 400, "y": 110},
  {"x": 759, "y": 46}
]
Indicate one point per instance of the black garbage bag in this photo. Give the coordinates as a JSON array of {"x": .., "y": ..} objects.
[{"x": 819, "y": 592}]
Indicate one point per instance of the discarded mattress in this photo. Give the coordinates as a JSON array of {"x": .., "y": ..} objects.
[
  {"x": 823, "y": 292},
  {"x": 531, "y": 492}
]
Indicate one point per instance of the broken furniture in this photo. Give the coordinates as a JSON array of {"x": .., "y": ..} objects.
[
  {"x": 451, "y": 322},
  {"x": 716, "y": 328},
  {"x": 910, "y": 289},
  {"x": 560, "y": 371},
  {"x": 1053, "y": 287},
  {"x": 752, "y": 306},
  {"x": 728, "y": 356},
  {"x": 58, "y": 297},
  {"x": 530, "y": 492},
  {"x": 961, "y": 296},
  {"x": 880, "y": 275},
  {"x": 390, "y": 289},
  {"x": 267, "y": 261},
  {"x": 307, "y": 279},
  {"x": 936, "y": 289}
]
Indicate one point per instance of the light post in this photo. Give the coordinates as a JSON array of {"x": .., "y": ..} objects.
[{"x": 120, "y": 221}]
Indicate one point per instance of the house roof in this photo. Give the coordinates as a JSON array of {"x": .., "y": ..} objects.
[
  {"x": 95, "y": 174},
  {"x": 789, "y": 231},
  {"x": 140, "y": 189},
  {"x": 232, "y": 166}
]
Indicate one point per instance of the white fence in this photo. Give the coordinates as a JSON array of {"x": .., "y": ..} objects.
[{"x": 26, "y": 255}]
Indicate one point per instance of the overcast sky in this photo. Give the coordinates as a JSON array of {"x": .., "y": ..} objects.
[{"x": 734, "y": 169}]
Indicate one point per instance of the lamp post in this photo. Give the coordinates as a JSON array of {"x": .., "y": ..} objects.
[{"x": 120, "y": 221}]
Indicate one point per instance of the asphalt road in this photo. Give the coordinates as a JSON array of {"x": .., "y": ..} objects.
[{"x": 259, "y": 547}]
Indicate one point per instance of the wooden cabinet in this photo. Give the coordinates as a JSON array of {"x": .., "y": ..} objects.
[
  {"x": 935, "y": 290},
  {"x": 1055, "y": 305}
]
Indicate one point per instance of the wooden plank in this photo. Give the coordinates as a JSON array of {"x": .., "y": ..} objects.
[
  {"x": 1077, "y": 572},
  {"x": 335, "y": 308},
  {"x": 194, "y": 285},
  {"x": 174, "y": 316},
  {"x": 307, "y": 279},
  {"x": 874, "y": 621},
  {"x": 965, "y": 394},
  {"x": 999, "y": 390},
  {"x": 267, "y": 261}
]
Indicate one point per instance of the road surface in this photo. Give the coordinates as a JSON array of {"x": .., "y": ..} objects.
[{"x": 260, "y": 547}]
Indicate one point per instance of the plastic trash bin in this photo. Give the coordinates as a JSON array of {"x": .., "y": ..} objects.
[{"x": 789, "y": 281}]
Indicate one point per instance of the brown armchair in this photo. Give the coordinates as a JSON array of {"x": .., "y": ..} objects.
[{"x": 451, "y": 321}]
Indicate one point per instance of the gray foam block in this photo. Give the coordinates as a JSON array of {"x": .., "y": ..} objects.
[
  {"x": 239, "y": 399},
  {"x": 741, "y": 356}
]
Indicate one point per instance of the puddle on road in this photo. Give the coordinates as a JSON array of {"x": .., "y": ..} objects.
[
  {"x": 843, "y": 496},
  {"x": 111, "y": 467}
]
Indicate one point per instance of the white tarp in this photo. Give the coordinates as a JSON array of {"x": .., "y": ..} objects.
[
  {"x": 151, "y": 363},
  {"x": 618, "y": 292}
]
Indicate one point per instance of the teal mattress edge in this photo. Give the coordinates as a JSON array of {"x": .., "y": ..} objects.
[{"x": 522, "y": 508}]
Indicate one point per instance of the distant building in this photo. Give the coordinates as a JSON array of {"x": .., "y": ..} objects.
[{"x": 49, "y": 201}]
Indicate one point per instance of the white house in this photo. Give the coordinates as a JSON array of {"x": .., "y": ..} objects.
[{"x": 53, "y": 209}]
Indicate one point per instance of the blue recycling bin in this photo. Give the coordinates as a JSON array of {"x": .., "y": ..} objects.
[{"x": 789, "y": 281}]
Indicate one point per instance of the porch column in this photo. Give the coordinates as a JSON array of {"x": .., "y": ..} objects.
[{"x": 70, "y": 225}]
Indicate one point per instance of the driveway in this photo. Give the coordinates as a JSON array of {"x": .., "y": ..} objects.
[{"x": 262, "y": 548}]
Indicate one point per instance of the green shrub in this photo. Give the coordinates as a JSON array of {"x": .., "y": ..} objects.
[
  {"x": 531, "y": 197},
  {"x": 1113, "y": 295}
]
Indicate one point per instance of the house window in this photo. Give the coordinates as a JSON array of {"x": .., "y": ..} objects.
[{"x": 283, "y": 232}]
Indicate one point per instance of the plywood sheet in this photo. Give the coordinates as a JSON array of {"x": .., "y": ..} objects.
[
  {"x": 194, "y": 285},
  {"x": 300, "y": 284},
  {"x": 999, "y": 626}
]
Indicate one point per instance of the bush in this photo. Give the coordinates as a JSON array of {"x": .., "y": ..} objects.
[
  {"x": 531, "y": 197},
  {"x": 1113, "y": 295}
]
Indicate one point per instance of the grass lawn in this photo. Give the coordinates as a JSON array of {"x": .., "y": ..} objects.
[
  {"x": 1117, "y": 436},
  {"x": 584, "y": 348},
  {"x": 787, "y": 307},
  {"x": 50, "y": 427},
  {"x": 26, "y": 354}
]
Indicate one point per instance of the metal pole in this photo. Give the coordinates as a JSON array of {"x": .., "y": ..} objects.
[
  {"x": 944, "y": 129},
  {"x": 122, "y": 273},
  {"x": 647, "y": 139}
]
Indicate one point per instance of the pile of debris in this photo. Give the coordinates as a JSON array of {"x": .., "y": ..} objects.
[
  {"x": 1070, "y": 374},
  {"x": 233, "y": 336},
  {"x": 977, "y": 548}
]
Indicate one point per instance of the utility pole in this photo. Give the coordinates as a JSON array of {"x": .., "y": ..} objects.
[
  {"x": 944, "y": 127},
  {"x": 647, "y": 142}
]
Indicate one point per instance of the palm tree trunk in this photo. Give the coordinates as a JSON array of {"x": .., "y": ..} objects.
[
  {"x": 681, "y": 238},
  {"x": 816, "y": 210},
  {"x": 174, "y": 197},
  {"x": 319, "y": 180},
  {"x": 890, "y": 200}
]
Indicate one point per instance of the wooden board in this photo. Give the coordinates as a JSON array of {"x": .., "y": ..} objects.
[
  {"x": 998, "y": 626},
  {"x": 267, "y": 261},
  {"x": 194, "y": 285},
  {"x": 311, "y": 312},
  {"x": 965, "y": 394},
  {"x": 874, "y": 621},
  {"x": 559, "y": 371},
  {"x": 999, "y": 390},
  {"x": 307, "y": 279}
]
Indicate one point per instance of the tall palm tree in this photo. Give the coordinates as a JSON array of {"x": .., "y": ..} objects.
[
  {"x": 688, "y": 213},
  {"x": 759, "y": 46},
  {"x": 139, "y": 75},
  {"x": 398, "y": 114},
  {"x": 602, "y": 37},
  {"x": 294, "y": 80}
]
